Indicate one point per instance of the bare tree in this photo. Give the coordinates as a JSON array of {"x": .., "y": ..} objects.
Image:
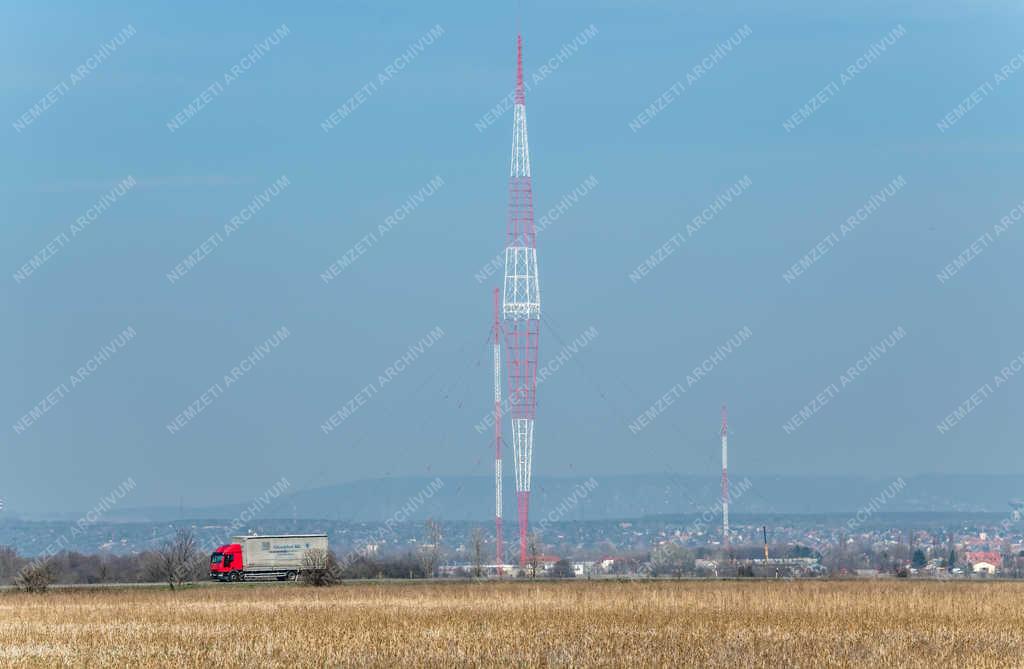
[
  {"x": 37, "y": 576},
  {"x": 477, "y": 543},
  {"x": 9, "y": 563},
  {"x": 104, "y": 572},
  {"x": 670, "y": 559},
  {"x": 174, "y": 562},
  {"x": 533, "y": 549},
  {"x": 319, "y": 567},
  {"x": 430, "y": 552}
]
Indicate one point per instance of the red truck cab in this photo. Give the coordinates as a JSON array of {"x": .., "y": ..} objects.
[{"x": 226, "y": 563}]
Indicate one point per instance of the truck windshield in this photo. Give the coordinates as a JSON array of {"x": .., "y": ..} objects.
[{"x": 216, "y": 558}]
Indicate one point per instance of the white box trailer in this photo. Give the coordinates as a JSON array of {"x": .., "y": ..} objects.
[{"x": 278, "y": 555}]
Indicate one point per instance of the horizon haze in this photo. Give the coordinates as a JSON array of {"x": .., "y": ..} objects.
[{"x": 247, "y": 245}]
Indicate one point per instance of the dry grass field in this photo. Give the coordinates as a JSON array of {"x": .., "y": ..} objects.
[{"x": 686, "y": 623}]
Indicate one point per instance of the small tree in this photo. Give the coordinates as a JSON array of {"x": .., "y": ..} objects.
[
  {"x": 670, "y": 559},
  {"x": 533, "y": 550},
  {"x": 430, "y": 552},
  {"x": 477, "y": 542},
  {"x": 174, "y": 561},
  {"x": 562, "y": 569},
  {"x": 318, "y": 567},
  {"x": 799, "y": 551},
  {"x": 358, "y": 566},
  {"x": 103, "y": 571},
  {"x": 918, "y": 560},
  {"x": 10, "y": 563},
  {"x": 37, "y": 576}
]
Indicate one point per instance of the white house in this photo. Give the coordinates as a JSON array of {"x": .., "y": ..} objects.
[{"x": 984, "y": 568}]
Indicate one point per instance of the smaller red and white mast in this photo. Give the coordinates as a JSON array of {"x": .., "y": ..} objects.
[
  {"x": 500, "y": 548},
  {"x": 725, "y": 476}
]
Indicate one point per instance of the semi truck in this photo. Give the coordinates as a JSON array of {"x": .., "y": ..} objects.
[{"x": 264, "y": 556}]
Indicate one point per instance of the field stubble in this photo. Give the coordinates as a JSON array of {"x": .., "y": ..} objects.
[{"x": 665, "y": 623}]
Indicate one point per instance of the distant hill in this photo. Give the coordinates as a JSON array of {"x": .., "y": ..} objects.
[{"x": 610, "y": 497}]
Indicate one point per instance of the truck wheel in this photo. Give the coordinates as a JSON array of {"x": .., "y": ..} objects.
[{"x": 235, "y": 576}]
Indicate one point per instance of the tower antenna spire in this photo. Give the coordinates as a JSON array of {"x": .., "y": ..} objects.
[{"x": 520, "y": 86}]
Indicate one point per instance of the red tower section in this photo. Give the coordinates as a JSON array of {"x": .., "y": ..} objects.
[{"x": 521, "y": 305}]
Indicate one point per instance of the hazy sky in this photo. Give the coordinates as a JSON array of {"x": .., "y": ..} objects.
[{"x": 424, "y": 119}]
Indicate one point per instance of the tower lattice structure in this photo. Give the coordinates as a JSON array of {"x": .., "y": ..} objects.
[{"x": 521, "y": 306}]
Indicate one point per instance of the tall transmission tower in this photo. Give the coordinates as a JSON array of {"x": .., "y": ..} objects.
[
  {"x": 521, "y": 305},
  {"x": 499, "y": 541},
  {"x": 725, "y": 476}
]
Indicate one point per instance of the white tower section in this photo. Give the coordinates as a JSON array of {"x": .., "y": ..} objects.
[
  {"x": 497, "y": 408},
  {"x": 520, "y": 143},
  {"x": 522, "y": 451},
  {"x": 521, "y": 297}
]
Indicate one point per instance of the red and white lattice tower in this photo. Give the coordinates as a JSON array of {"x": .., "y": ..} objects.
[
  {"x": 499, "y": 541},
  {"x": 725, "y": 477},
  {"x": 521, "y": 305}
]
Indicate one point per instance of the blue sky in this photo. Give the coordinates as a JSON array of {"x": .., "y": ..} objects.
[{"x": 422, "y": 123}]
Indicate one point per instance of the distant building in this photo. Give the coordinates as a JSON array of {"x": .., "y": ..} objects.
[
  {"x": 983, "y": 568},
  {"x": 985, "y": 562},
  {"x": 607, "y": 563},
  {"x": 544, "y": 562},
  {"x": 584, "y": 568},
  {"x": 467, "y": 569},
  {"x": 786, "y": 562}
]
